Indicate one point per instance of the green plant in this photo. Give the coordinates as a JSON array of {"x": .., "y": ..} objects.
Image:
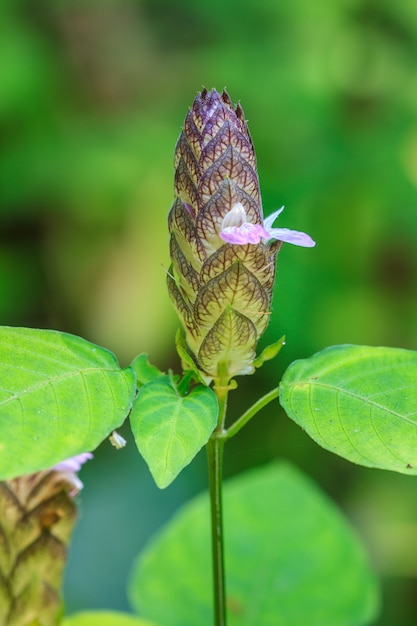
[{"x": 290, "y": 556}]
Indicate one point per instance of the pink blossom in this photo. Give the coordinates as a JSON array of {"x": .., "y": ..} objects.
[{"x": 235, "y": 229}]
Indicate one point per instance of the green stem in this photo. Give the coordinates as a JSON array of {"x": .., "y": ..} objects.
[
  {"x": 215, "y": 462},
  {"x": 247, "y": 415},
  {"x": 215, "y": 448}
]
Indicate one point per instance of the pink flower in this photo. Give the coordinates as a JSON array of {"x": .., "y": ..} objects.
[{"x": 235, "y": 229}]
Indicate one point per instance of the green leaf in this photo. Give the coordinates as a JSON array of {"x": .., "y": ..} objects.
[
  {"x": 104, "y": 618},
  {"x": 183, "y": 385},
  {"x": 270, "y": 352},
  {"x": 59, "y": 396},
  {"x": 291, "y": 560},
  {"x": 187, "y": 362},
  {"x": 170, "y": 429},
  {"x": 145, "y": 372},
  {"x": 359, "y": 402}
]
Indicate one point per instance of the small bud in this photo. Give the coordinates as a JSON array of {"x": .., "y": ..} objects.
[
  {"x": 223, "y": 253},
  {"x": 117, "y": 440}
]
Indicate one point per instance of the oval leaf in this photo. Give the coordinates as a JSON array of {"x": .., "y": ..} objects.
[
  {"x": 104, "y": 618},
  {"x": 170, "y": 429},
  {"x": 291, "y": 560},
  {"x": 59, "y": 396},
  {"x": 359, "y": 402}
]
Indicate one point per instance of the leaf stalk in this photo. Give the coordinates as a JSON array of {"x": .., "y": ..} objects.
[{"x": 251, "y": 412}]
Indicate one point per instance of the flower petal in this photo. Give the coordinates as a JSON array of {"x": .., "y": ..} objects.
[
  {"x": 291, "y": 236},
  {"x": 74, "y": 463},
  {"x": 268, "y": 221},
  {"x": 235, "y": 217},
  {"x": 68, "y": 469},
  {"x": 247, "y": 233}
]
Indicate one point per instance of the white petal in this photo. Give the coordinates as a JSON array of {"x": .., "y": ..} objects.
[
  {"x": 235, "y": 217},
  {"x": 268, "y": 221}
]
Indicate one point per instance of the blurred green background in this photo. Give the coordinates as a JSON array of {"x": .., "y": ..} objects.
[{"x": 92, "y": 98}]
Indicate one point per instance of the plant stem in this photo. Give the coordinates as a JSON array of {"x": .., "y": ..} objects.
[
  {"x": 247, "y": 415},
  {"x": 215, "y": 462},
  {"x": 215, "y": 448}
]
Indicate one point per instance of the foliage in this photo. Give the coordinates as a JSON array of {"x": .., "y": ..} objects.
[
  {"x": 170, "y": 429},
  {"x": 362, "y": 386},
  {"x": 359, "y": 402},
  {"x": 90, "y": 98},
  {"x": 293, "y": 560},
  {"x": 60, "y": 396}
]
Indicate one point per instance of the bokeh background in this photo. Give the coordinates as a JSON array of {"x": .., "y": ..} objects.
[{"x": 92, "y": 97}]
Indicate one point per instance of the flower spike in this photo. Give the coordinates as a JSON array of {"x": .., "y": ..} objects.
[
  {"x": 37, "y": 517},
  {"x": 222, "y": 250}
]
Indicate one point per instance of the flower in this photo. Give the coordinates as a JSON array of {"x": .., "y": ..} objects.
[
  {"x": 236, "y": 229},
  {"x": 69, "y": 468},
  {"x": 74, "y": 463},
  {"x": 222, "y": 250}
]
